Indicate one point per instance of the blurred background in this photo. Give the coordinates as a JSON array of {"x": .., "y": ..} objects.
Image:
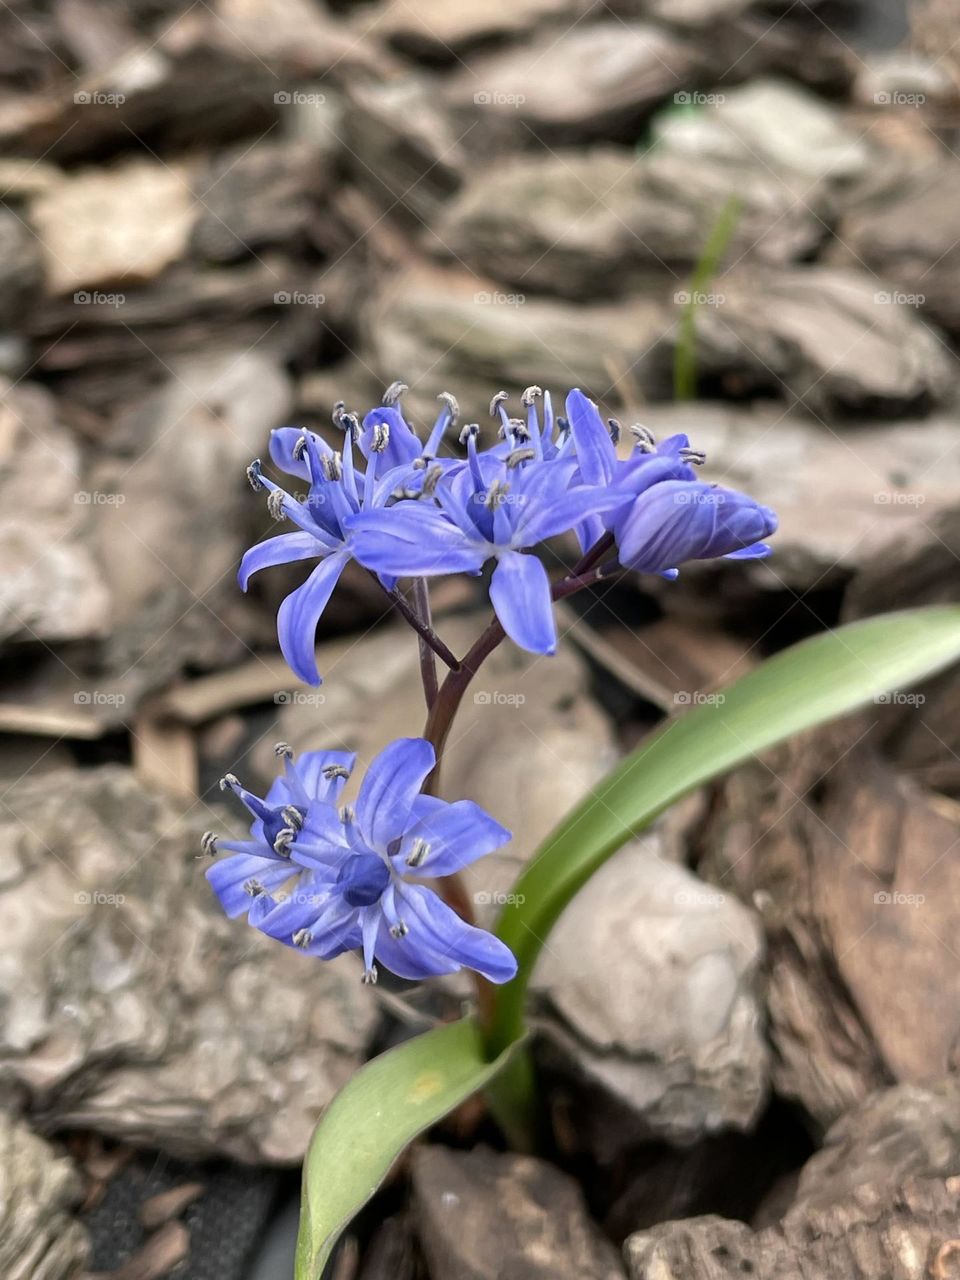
[{"x": 732, "y": 218}]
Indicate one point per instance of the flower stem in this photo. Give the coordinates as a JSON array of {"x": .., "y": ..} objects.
[
  {"x": 428, "y": 659},
  {"x": 423, "y": 629}
]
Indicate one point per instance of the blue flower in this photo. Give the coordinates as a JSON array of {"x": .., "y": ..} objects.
[
  {"x": 665, "y": 516},
  {"x": 503, "y": 502},
  {"x": 398, "y": 467},
  {"x": 349, "y": 878}
]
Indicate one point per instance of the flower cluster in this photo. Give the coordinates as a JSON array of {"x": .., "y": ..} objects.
[
  {"x": 412, "y": 513},
  {"x": 328, "y": 879}
]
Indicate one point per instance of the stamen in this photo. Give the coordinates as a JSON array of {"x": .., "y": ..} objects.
[
  {"x": 381, "y": 437},
  {"x": 399, "y": 930},
  {"x": 369, "y": 977},
  {"x": 394, "y": 392},
  {"x": 563, "y": 428},
  {"x": 520, "y": 455},
  {"x": 470, "y": 431},
  {"x": 283, "y": 750},
  {"x": 254, "y": 888},
  {"x": 208, "y": 843},
  {"x": 496, "y": 494},
  {"x": 417, "y": 854},
  {"x": 284, "y": 839},
  {"x": 350, "y": 424},
  {"x": 229, "y": 782},
  {"x": 644, "y": 437},
  {"x": 497, "y": 401},
  {"x": 302, "y": 939},
  {"x": 300, "y": 448},
  {"x": 332, "y": 466},
  {"x": 696, "y": 457},
  {"x": 338, "y": 412},
  {"x": 447, "y": 398},
  {"x": 431, "y": 480},
  {"x": 330, "y": 771},
  {"x": 275, "y": 502},
  {"x": 253, "y": 475},
  {"x": 292, "y": 816},
  {"x": 614, "y": 428},
  {"x": 530, "y": 395}
]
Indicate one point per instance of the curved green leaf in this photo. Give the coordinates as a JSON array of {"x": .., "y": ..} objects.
[
  {"x": 375, "y": 1115},
  {"x": 806, "y": 685}
]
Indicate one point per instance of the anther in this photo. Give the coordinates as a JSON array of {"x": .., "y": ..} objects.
[
  {"x": 300, "y": 448},
  {"x": 417, "y": 854},
  {"x": 644, "y": 437},
  {"x": 292, "y": 816},
  {"x": 208, "y": 843},
  {"x": 530, "y": 395},
  {"x": 332, "y": 466},
  {"x": 331, "y": 771},
  {"x": 284, "y": 839},
  {"x": 520, "y": 455},
  {"x": 275, "y": 501},
  {"x": 302, "y": 939},
  {"x": 254, "y": 888},
  {"x": 470, "y": 432},
  {"x": 369, "y": 977},
  {"x": 229, "y": 782},
  {"x": 613, "y": 426},
  {"x": 450, "y": 400},
  {"x": 350, "y": 424},
  {"x": 497, "y": 401},
  {"x": 431, "y": 480},
  {"x": 696, "y": 457},
  {"x": 399, "y": 930},
  {"x": 337, "y": 412},
  {"x": 283, "y": 750},
  {"x": 496, "y": 494},
  {"x": 381, "y": 437},
  {"x": 394, "y": 392},
  {"x": 253, "y": 475}
]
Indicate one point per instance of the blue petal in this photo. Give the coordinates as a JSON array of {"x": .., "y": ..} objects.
[
  {"x": 438, "y": 933},
  {"x": 310, "y": 767},
  {"x": 563, "y": 513},
  {"x": 299, "y": 614},
  {"x": 679, "y": 520},
  {"x": 284, "y": 549},
  {"x": 520, "y": 595},
  {"x": 456, "y": 835},
  {"x": 413, "y": 540},
  {"x": 388, "y": 790},
  {"x": 403, "y": 445},
  {"x": 228, "y": 876},
  {"x": 756, "y": 551},
  {"x": 283, "y": 441},
  {"x": 596, "y": 452}
]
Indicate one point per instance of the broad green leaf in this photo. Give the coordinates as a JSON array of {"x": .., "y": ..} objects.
[
  {"x": 806, "y": 685},
  {"x": 375, "y": 1115}
]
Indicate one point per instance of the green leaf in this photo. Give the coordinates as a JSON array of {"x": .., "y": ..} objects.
[
  {"x": 806, "y": 685},
  {"x": 375, "y": 1115}
]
